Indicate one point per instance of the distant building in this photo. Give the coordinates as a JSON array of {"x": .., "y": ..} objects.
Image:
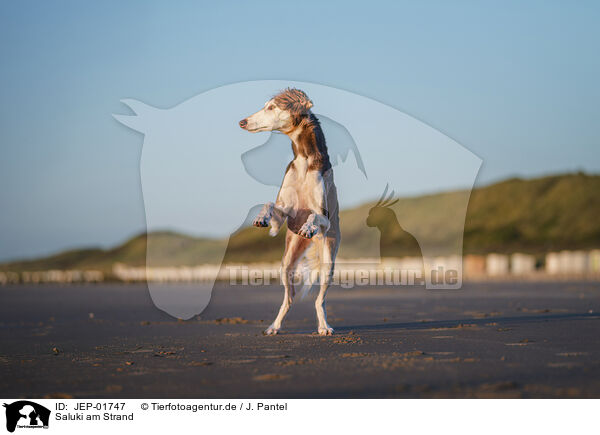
[
  {"x": 577, "y": 262},
  {"x": 61, "y": 276},
  {"x": 451, "y": 263},
  {"x": 522, "y": 264},
  {"x": 474, "y": 265},
  {"x": 496, "y": 265},
  {"x": 594, "y": 261},
  {"x": 553, "y": 263},
  {"x": 412, "y": 263},
  {"x": 567, "y": 263}
]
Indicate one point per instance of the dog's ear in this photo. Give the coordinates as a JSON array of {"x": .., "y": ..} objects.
[
  {"x": 308, "y": 104},
  {"x": 301, "y": 107},
  {"x": 294, "y": 100},
  {"x": 302, "y": 103}
]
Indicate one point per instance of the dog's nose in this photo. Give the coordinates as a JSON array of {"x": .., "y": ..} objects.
[{"x": 243, "y": 123}]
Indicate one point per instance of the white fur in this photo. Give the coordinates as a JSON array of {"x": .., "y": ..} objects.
[{"x": 269, "y": 118}]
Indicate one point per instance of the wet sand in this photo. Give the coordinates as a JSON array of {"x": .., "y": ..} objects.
[{"x": 486, "y": 340}]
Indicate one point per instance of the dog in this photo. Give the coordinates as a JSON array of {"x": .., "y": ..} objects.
[{"x": 307, "y": 199}]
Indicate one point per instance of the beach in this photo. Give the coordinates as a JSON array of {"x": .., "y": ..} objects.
[{"x": 500, "y": 339}]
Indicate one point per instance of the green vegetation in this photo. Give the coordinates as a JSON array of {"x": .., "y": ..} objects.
[
  {"x": 543, "y": 214},
  {"x": 534, "y": 216},
  {"x": 173, "y": 248}
]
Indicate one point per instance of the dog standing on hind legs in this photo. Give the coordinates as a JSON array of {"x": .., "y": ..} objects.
[{"x": 307, "y": 198}]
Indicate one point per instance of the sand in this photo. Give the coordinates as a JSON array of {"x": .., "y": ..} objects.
[{"x": 486, "y": 340}]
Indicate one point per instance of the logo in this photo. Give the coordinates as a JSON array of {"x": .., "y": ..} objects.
[{"x": 26, "y": 414}]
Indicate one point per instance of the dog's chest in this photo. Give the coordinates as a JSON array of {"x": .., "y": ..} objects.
[
  {"x": 300, "y": 184},
  {"x": 300, "y": 168}
]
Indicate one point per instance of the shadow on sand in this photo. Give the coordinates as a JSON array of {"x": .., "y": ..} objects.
[{"x": 457, "y": 323}]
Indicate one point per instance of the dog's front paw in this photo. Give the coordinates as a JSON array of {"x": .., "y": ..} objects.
[
  {"x": 271, "y": 330},
  {"x": 308, "y": 230},
  {"x": 264, "y": 217},
  {"x": 328, "y": 330},
  {"x": 261, "y": 221}
]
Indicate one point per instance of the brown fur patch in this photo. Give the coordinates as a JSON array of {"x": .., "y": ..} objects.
[
  {"x": 310, "y": 142},
  {"x": 296, "y": 221},
  {"x": 294, "y": 101}
]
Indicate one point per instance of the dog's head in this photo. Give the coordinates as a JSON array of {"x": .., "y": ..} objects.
[{"x": 283, "y": 112}]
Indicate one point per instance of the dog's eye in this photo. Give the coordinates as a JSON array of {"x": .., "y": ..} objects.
[{"x": 271, "y": 107}]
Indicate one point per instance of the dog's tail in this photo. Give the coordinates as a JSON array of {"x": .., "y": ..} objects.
[{"x": 309, "y": 266}]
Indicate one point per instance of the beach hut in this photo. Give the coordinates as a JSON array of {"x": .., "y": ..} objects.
[
  {"x": 594, "y": 261},
  {"x": 576, "y": 262},
  {"x": 522, "y": 264},
  {"x": 474, "y": 265},
  {"x": 496, "y": 265},
  {"x": 553, "y": 263},
  {"x": 567, "y": 263}
]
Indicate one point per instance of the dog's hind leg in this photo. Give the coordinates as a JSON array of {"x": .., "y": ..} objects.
[
  {"x": 295, "y": 246},
  {"x": 330, "y": 247}
]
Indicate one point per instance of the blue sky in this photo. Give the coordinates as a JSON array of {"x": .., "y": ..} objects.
[{"x": 514, "y": 82}]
